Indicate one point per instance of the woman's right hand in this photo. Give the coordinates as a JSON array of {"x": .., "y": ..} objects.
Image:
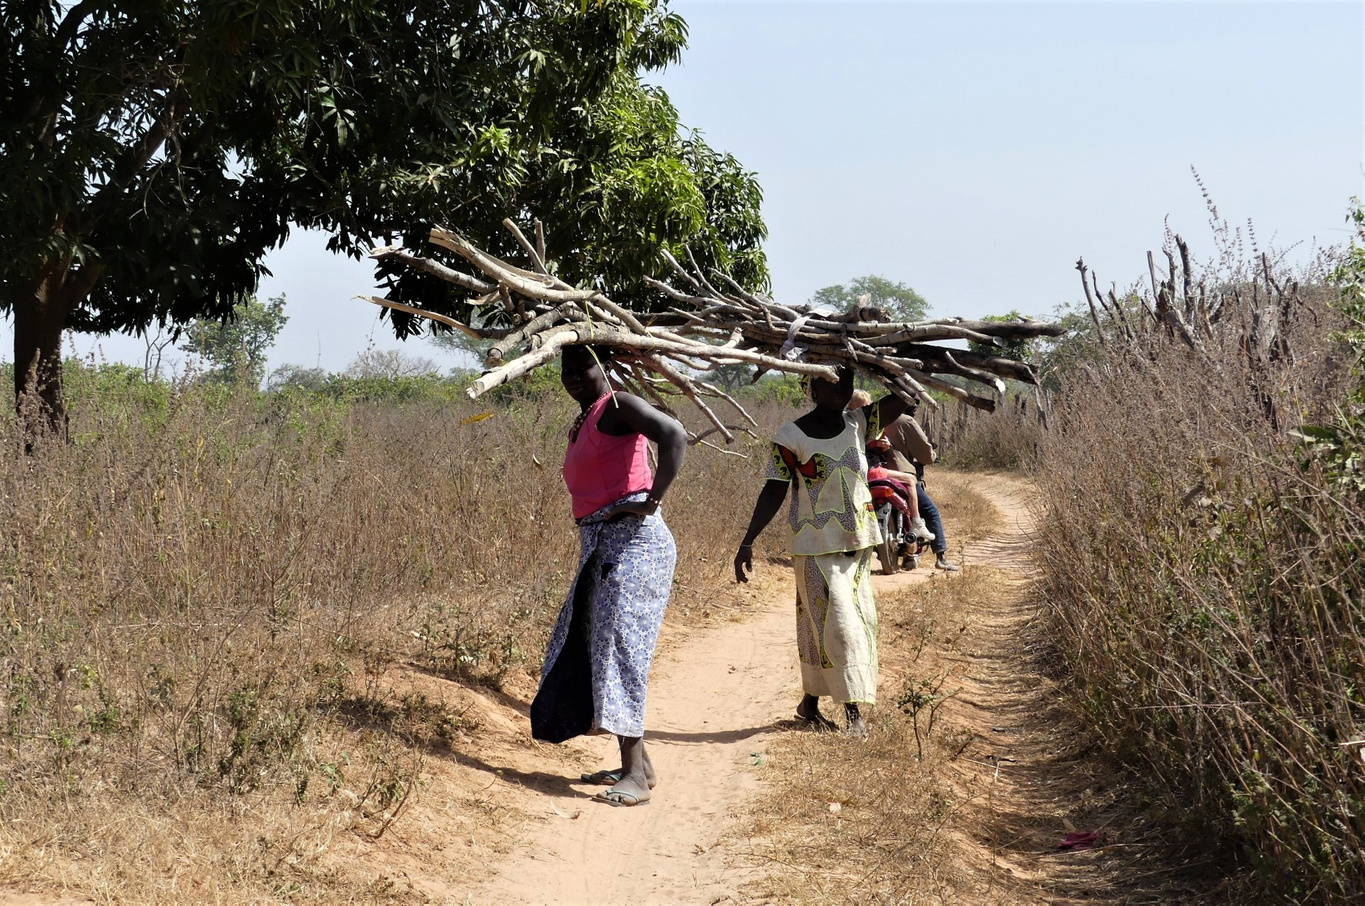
[
  {"x": 639, "y": 508},
  {"x": 744, "y": 560}
]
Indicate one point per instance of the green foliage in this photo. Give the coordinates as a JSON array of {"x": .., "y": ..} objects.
[
  {"x": 1019, "y": 349},
  {"x": 1063, "y": 358},
  {"x": 1349, "y": 277},
  {"x": 1339, "y": 447},
  {"x": 154, "y": 152},
  {"x": 236, "y": 346},
  {"x": 620, "y": 184},
  {"x": 900, "y": 301},
  {"x": 462, "y": 344}
]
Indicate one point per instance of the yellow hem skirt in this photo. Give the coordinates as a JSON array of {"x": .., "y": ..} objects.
[{"x": 836, "y": 625}]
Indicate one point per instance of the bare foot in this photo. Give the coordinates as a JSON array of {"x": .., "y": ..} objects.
[
  {"x": 809, "y": 711},
  {"x": 856, "y": 728}
]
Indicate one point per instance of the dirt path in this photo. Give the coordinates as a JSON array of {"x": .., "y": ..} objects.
[
  {"x": 715, "y": 701},
  {"x": 720, "y": 698},
  {"x": 1033, "y": 776}
]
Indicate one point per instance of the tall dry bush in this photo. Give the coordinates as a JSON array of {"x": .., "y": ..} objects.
[
  {"x": 1008, "y": 438},
  {"x": 206, "y": 576},
  {"x": 1205, "y": 576}
]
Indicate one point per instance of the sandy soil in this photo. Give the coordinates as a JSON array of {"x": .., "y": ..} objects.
[{"x": 717, "y": 700}]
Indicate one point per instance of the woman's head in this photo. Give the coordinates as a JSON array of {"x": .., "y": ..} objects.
[
  {"x": 582, "y": 371},
  {"x": 830, "y": 394}
]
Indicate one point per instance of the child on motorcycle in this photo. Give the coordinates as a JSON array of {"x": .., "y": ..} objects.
[{"x": 879, "y": 475}]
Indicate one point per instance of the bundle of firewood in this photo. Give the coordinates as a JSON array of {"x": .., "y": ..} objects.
[{"x": 707, "y": 321}]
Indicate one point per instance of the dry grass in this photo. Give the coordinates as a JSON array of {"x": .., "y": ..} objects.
[
  {"x": 1206, "y": 583},
  {"x": 849, "y": 822},
  {"x": 1008, "y": 439},
  {"x": 967, "y": 514},
  {"x": 204, "y": 598}
]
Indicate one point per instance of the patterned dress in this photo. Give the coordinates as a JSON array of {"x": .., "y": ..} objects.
[
  {"x": 596, "y": 670},
  {"x": 834, "y": 531}
]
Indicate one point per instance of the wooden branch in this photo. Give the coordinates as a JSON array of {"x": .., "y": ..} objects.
[
  {"x": 1010, "y": 330},
  {"x": 523, "y": 364},
  {"x": 684, "y": 384},
  {"x": 530, "y": 250},
  {"x": 712, "y": 328},
  {"x": 421, "y": 313},
  {"x": 976, "y": 374},
  {"x": 536, "y": 286},
  {"x": 956, "y": 392},
  {"x": 1094, "y": 314},
  {"x": 679, "y": 269},
  {"x": 435, "y": 268},
  {"x": 565, "y": 312},
  {"x": 540, "y": 239},
  {"x": 934, "y": 356}
]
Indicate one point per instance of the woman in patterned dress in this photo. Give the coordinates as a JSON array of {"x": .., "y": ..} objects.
[
  {"x": 821, "y": 457},
  {"x": 597, "y": 667}
]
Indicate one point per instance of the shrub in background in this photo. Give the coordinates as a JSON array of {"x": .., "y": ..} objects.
[{"x": 1205, "y": 573}]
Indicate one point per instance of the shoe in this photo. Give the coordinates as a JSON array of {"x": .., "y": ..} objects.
[
  {"x": 941, "y": 562},
  {"x": 921, "y": 531}
]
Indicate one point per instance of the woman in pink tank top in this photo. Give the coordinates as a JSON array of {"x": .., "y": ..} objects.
[{"x": 596, "y": 670}]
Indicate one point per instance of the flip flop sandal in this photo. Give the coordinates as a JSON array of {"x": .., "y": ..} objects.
[
  {"x": 620, "y": 798},
  {"x": 606, "y": 778},
  {"x": 602, "y": 778}
]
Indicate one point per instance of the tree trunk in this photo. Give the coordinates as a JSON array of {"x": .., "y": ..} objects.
[{"x": 39, "y": 318}]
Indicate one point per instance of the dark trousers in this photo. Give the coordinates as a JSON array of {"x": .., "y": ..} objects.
[{"x": 929, "y": 513}]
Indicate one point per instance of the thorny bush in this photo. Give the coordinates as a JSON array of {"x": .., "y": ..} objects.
[{"x": 1204, "y": 568}]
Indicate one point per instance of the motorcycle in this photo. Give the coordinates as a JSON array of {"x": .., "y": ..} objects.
[{"x": 899, "y": 548}]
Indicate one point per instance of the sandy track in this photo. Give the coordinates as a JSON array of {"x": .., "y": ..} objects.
[
  {"x": 716, "y": 700},
  {"x": 719, "y": 698}
]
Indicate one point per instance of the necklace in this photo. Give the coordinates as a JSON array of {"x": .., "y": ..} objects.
[{"x": 583, "y": 417}]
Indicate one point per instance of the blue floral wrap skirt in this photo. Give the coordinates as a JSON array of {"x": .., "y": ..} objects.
[{"x": 597, "y": 667}]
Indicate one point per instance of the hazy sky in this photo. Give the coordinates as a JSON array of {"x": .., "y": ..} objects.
[{"x": 973, "y": 150}]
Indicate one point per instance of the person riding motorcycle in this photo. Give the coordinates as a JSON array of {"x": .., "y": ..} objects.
[{"x": 911, "y": 451}]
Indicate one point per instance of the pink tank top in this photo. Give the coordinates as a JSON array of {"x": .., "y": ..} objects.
[{"x": 600, "y": 468}]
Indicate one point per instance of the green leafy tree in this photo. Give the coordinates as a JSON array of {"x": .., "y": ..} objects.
[
  {"x": 621, "y": 181},
  {"x": 236, "y": 346},
  {"x": 297, "y": 377},
  {"x": 1018, "y": 349},
  {"x": 155, "y": 151},
  {"x": 461, "y": 344},
  {"x": 1340, "y": 445},
  {"x": 390, "y": 365},
  {"x": 1349, "y": 276},
  {"x": 898, "y": 300}
]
